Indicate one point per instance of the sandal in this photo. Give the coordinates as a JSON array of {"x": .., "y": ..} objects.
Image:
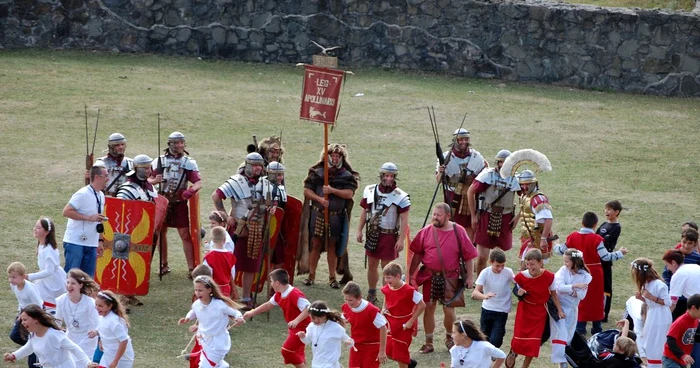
[
  {"x": 347, "y": 277},
  {"x": 309, "y": 280},
  {"x": 372, "y": 299},
  {"x": 164, "y": 269},
  {"x": 449, "y": 342},
  {"x": 427, "y": 348},
  {"x": 510, "y": 359},
  {"x": 189, "y": 274},
  {"x": 333, "y": 283}
]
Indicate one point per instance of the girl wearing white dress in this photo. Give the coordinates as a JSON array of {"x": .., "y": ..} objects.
[
  {"x": 51, "y": 345},
  {"x": 325, "y": 335},
  {"x": 77, "y": 310},
  {"x": 472, "y": 349},
  {"x": 51, "y": 278},
  {"x": 571, "y": 283},
  {"x": 212, "y": 312},
  {"x": 654, "y": 293},
  {"x": 113, "y": 330}
]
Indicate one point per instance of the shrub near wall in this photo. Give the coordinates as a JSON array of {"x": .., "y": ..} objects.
[{"x": 642, "y": 51}]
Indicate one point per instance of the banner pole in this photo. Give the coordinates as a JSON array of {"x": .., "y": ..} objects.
[{"x": 325, "y": 183}]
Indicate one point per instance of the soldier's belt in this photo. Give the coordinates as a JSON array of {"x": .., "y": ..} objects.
[
  {"x": 330, "y": 213},
  {"x": 388, "y": 231}
]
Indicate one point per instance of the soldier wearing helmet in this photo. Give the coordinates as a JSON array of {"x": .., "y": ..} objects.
[
  {"x": 493, "y": 223},
  {"x": 462, "y": 165},
  {"x": 343, "y": 181},
  {"x": 385, "y": 213},
  {"x": 137, "y": 186},
  {"x": 246, "y": 219},
  {"x": 536, "y": 216},
  {"x": 115, "y": 162},
  {"x": 274, "y": 193},
  {"x": 173, "y": 170}
]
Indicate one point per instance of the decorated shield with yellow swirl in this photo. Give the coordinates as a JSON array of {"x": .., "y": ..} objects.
[{"x": 125, "y": 265}]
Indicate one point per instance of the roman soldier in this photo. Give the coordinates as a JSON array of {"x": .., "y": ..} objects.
[
  {"x": 246, "y": 219},
  {"x": 385, "y": 212},
  {"x": 462, "y": 165},
  {"x": 331, "y": 236},
  {"x": 535, "y": 210},
  {"x": 493, "y": 223},
  {"x": 173, "y": 170},
  {"x": 115, "y": 162},
  {"x": 137, "y": 186},
  {"x": 274, "y": 193},
  {"x": 271, "y": 150}
]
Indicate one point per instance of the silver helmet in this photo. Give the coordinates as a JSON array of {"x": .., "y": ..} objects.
[
  {"x": 113, "y": 140},
  {"x": 274, "y": 171},
  {"x": 460, "y": 133},
  {"x": 176, "y": 136},
  {"x": 251, "y": 159},
  {"x": 527, "y": 177},
  {"x": 141, "y": 165},
  {"x": 388, "y": 168},
  {"x": 502, "y": 155}
]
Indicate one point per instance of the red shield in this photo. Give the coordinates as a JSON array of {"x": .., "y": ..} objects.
[
  {"x": 290, "y": 234},
  {"x": 195, "y": 227},
  {"x": 125, "y": 265}
]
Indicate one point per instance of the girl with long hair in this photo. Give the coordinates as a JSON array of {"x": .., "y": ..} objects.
[
  {"x": 76, "y": 309},
  {"x": 51, "y": 345},
  {"x": 51, "y": 278},
  {"x": 212, "y": 311},
  {"x": 113, "y": 329},
  {"x": 472, "y": 348},
  {"x": 571, "y": 282},
  {"x": 654, "y": 293},
  {"x": 326, "y": 334}
]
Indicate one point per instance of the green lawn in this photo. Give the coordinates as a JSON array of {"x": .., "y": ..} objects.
[{"x": 641, "y": 150}]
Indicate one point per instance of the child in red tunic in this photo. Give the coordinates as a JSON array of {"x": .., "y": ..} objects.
[
  {"x": 402, "y": 307},
  {"x": 367, "y": 329},
  {"x": 535, "y": 286},
  {"x": 295, "y": 308},
  {"x": 221, "y": 261},
  {"x": 592, "y": 307}
]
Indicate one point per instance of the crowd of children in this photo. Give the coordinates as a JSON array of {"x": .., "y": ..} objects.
[{"x": 64, "y": 320}]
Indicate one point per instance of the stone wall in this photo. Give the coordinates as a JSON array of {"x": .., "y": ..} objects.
[{"x": 641, "y": 51}]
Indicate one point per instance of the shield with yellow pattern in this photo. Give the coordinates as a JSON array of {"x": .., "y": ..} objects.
[{"x": 125, "y": 265}]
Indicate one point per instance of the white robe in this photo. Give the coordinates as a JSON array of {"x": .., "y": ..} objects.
[
  {"x": 326, "y": 342},
  {"x": 54, "y": 350},
  {"x": 657, "y": 323},
  {"x": 51, "y": 278},
  {"x": 563, "y": 330},
  {"x": 212, "y": 332},
  {"x": 85, "y": 314},
  {"x": 113, "y": 330}
]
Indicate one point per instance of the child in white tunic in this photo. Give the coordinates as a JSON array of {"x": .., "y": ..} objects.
[
  {"x": 326, "y": 336},
  {"x": 51, "y": 278},
  {"x": 219, "y": 218},
  {"x": 653, "y": 291},
  {"x": 77, "y": 310},
  {"x": 472, "y": 349},
  {"x": 571, "y": 283},
  {"x": 212, "y": 310},
  {"x": 113, "y": 329},
  {"x": 26, "y": 293},
  {"x": 48, "y": 342}
]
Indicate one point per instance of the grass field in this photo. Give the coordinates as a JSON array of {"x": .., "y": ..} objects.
[{"x": 641, "y": 150}]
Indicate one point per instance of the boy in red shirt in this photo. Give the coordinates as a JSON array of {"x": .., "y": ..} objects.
[
  {"x": 221, "y": 261},
  {"x": 402, "y": 307},
  {"x": 535, "y": 285},
  {"x": 681, "y": 336},
  {"x": 592, "y": 245},
  {"x": 295, "y": 308},
  {"x": 367, "y": 328}
]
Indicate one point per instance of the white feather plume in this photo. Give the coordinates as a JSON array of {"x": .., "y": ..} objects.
[{"x": 522, "y": 157}]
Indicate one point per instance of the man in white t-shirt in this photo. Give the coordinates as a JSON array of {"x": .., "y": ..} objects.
[
  {"x": 686, "y": 276},
  {"x": 82, "y": 241},
  {"x": 493, "y": 286}
]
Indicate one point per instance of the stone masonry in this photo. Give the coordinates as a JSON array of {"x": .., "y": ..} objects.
[{"x": 629, "y": 50}]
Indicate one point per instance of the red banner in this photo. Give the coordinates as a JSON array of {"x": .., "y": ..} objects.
[{"x": 321, "y": 94}]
